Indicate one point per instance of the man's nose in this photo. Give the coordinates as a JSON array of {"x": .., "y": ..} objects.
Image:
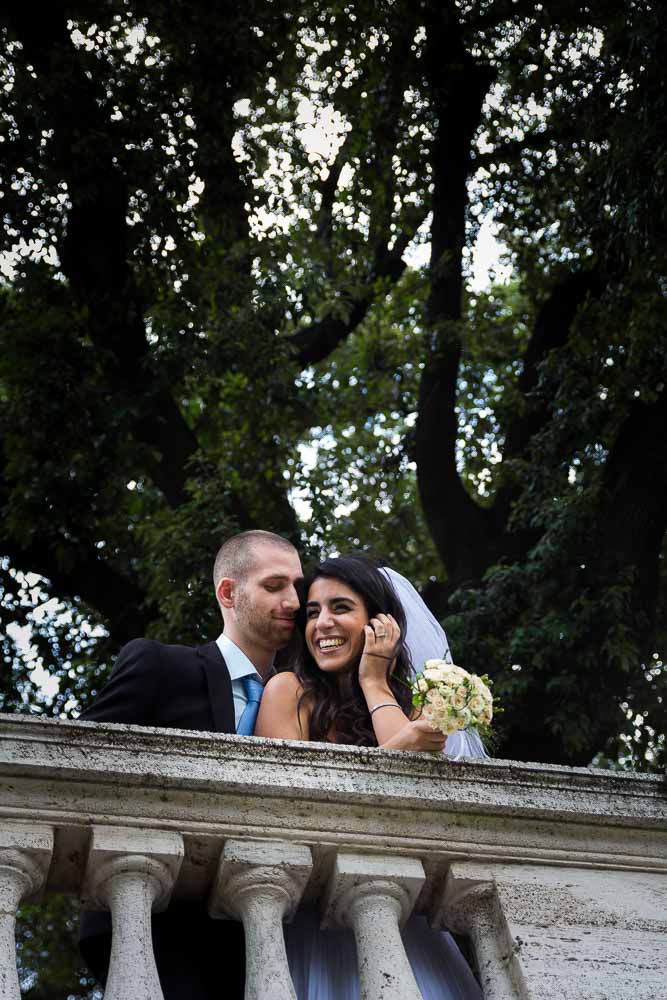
[{"x": 291, "y": 600}]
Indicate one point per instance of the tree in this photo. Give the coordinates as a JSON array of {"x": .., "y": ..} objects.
[{"x": 196, "y": 292}]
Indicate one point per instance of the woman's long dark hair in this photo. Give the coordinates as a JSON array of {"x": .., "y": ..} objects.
[{"x": 339, "y": 708}]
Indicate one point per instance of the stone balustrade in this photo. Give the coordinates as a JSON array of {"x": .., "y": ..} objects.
[{"x": 557, "y": 875}]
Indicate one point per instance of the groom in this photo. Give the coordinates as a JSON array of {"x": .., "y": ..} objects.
[{"x": 211, "y": 688}]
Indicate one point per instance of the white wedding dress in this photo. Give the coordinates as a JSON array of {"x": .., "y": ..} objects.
[{"x": 324, "y": 963}]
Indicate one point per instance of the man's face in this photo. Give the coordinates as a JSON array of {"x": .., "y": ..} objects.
[{"x": 267, "y": 601}]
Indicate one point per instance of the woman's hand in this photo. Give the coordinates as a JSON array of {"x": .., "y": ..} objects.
[
  {"x": 417, "y": 735},
  {"x": 382, "y": 636}
]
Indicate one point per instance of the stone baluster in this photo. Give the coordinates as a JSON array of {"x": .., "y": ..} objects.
[
  {"x": 25, "y": 854},
  {"x": 375, "y": 894},
  {"x": 131, "y": 872},
  {"x": 470, "y": 905},
  {"x": 261, "y": 883}
]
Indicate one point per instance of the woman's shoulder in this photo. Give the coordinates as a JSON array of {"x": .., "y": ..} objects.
[
  {"x": 283, "y": 685},
  {"x": 281, "y": 712}
]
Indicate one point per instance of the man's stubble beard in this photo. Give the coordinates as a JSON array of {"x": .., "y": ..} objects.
[{"x": 257, "y": 625}]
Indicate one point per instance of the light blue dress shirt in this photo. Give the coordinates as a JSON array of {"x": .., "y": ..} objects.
[{"x": 239, "y": 666}]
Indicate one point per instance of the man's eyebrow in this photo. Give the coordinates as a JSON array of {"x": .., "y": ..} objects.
[{"x": 282, "y": 576}]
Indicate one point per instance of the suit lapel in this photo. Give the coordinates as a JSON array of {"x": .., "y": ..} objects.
[{"x": 219, "y": 687}]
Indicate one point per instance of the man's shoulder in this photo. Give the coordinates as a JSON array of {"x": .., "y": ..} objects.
[
  {"x": 156, "y": 684},
  {"x": 144, "y": 653},
  {"x": 158, "y": 648}
]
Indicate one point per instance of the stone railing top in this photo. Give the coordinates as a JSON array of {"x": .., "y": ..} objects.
[
  {"x": 72, "y": 748},
  {"x": 210, "y": 787}
]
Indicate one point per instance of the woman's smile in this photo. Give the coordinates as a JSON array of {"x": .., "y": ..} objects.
[
  {"x": 335, "y": 619},
  {"x": 330, "y": 644}
]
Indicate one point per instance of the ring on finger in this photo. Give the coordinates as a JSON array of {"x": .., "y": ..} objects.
[{"x": 380, "y": 635}]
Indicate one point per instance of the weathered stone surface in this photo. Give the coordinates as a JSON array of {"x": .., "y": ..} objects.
[
  {"x": 131, "y": 873},
  {"x": 375, "y": 894},
  {"x": 567, "y": 932},
  {"x": 571, "y": 863},
  {"x": 603, "y": 964},
  {"x": 156, "y": 853},
  {"x": 261, "y": 882},
  {"x": 247, "y": 863},
  {"x": 25, "y": 854},
  {"x": 356, "y": 874}
]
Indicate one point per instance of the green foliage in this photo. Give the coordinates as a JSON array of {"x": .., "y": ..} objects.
[
  {"x": 51, "y": 929},
  {"x": 359, "y": 479},
  {"x": 179, "y": 545},
  {"x": 563, "y": 620}
]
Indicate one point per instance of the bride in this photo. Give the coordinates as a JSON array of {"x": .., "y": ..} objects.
[{"x": 350, "y": 685}]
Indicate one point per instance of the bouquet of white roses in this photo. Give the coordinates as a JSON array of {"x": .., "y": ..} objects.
[{"x": 450, "y": 698}]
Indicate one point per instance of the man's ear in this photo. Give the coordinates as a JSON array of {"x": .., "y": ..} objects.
[{"x": 225, "y": 592}]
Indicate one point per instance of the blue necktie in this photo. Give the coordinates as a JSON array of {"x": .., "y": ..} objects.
[{"x": 254, "y": 690}]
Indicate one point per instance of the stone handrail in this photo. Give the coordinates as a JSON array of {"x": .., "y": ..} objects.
[{"x": 558, "y": 875}]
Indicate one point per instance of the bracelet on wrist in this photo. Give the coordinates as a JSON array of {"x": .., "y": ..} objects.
[
  {"x": 380, "y": 656},
  {"x": 383, "y": 704}
]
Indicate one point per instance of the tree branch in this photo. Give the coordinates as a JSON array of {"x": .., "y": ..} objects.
[
  {"x": 118, "y": 599},
  {"x": 76, "y": 570},
  {"x": 315, "y": 342},
  {"x": 551, "y": 330},
  {"x": 94, "y": 251},
  {"x": 327, "y": 189},
  {"x": 514, "y": 150},
  {"x": 464, "y": 533},
  {"x": 633, "y": 512}
]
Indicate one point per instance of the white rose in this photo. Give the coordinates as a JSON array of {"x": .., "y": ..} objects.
[
  {"x": 435, "y": 674},
  {"x": 447, "y": 691},
  {"x": 480, "y": 686},
  {"x": 458, "y": 672},
  {"x": 476, "y": 704},
  {"x": 435, "y": 663}
]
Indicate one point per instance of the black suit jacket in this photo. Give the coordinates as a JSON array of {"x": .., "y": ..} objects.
[
  {"x": 175, "y": 687},
  {"x": 179, "y": 687}
]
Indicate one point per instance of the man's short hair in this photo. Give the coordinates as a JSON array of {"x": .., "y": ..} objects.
[{"x": 236, "y": 557}]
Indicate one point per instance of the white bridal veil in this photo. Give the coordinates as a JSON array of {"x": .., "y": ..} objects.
[{"x": 425, "y": 639}]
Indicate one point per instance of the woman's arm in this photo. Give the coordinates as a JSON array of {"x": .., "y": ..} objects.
[
  {"x": 393, "y": 728},
  {"x": 279, "y": 713},
  {"x": 416, "y": 735}
]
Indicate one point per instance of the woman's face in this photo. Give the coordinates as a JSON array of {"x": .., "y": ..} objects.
[{"x": 335, "y": 619}]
